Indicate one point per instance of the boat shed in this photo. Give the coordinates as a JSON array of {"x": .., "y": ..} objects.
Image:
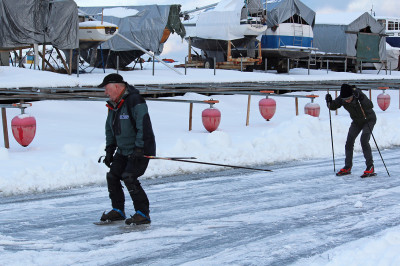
[
  {"x": 27, "y": 22},
  {"x": 362, "y": 38}
]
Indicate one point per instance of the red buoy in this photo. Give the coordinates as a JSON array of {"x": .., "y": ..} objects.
[
  {"x": 267, "y": 108},
  {"x": 23, "y": 128},
  {"x": 211, "y": 118},
  {"x": 312, "y": 109},
  {"x": 383, "y": 101}
]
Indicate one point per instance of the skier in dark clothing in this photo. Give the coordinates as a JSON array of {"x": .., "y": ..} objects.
[
  {"x": 129, "y": 136},
  {"x": 364, "y": 120}
]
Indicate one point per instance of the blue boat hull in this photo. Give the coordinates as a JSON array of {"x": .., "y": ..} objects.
[
  {"x": 393, "y": 41},
  {"x": 277, "y": 41}
]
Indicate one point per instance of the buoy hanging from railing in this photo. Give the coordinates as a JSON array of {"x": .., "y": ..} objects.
[
  {"x": 312, "y": 108},
  {"x": 23, "y": 126},
  {"x": 267, "y": 106},
  {"x": 383, "y": 99},
  {"x": 211, "y": 117}
]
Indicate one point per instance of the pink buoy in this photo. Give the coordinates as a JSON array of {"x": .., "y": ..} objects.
[
  {"x": 211, "y": 118},
  {"x": 312, "y": 109},
  {"x": 267, "y": 108},
  {"x": 23, "y": 128},
  {"x": 383, "y": 101}
]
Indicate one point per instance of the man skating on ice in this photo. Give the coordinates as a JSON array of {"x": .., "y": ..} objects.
[
  {"x": 130, "y": 136},
  {"x": 363, "y": 120}
]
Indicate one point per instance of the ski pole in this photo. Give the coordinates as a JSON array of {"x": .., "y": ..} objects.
[
  {"x": 164, "y": 158},
  {"x": 370, "y": 130},
  {"x": 206, "y": 163},
  {"x": 330, "y": 123},
  {"x": 169, "y": 158}
]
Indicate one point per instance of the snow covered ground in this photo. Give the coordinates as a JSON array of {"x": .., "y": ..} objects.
[{"x": 61, "y": 164}]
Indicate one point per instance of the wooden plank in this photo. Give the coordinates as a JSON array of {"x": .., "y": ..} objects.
[{"x": 5, "y": 129}]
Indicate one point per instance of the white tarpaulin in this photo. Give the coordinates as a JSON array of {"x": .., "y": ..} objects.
[{"x": 220, "y": 23}]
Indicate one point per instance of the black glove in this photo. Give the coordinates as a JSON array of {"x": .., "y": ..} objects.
[
  {"x": 134, "y": 167},
  {"x": 328, "y": 98},
  {"x": 110, "y": 149},
  {"x": 138, "y": 153}
]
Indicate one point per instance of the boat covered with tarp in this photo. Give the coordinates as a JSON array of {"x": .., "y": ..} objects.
[
  {"x": 27, "y": 22},
  {"x": 149, "y": 26}
]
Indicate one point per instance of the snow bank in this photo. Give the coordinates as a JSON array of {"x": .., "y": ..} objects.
[{"x": 70, "y": 139}]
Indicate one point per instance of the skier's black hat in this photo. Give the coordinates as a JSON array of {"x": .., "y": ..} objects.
[
  {"x": 346, "y": 91},
  {"x": 112, "y": 78}
]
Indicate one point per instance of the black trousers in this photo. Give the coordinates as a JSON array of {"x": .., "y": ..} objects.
[
  {"x": 354, "y": 131},
  {"x": 118, "y": 173}
]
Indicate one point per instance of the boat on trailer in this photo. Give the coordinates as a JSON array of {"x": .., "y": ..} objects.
[
  {"x": 289, "y": 34},
  {"x": 229, "y": 23}
]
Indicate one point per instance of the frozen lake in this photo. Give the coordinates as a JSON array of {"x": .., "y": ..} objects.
[{"x": 231, "y": 217}]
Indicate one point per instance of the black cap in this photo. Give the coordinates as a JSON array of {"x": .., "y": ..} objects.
[
  {"x": 346, "y": 91},
  {"x": 111, "y": 78}
]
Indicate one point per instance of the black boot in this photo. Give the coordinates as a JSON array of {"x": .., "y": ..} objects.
[
  {"x": 113, "y": 215},
  {"x": 138, "y": 218}
]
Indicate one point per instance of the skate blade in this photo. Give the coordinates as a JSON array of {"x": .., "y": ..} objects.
[
  {"x": 337, "y": 174},
  {"x": 108, "y": 222},
  {"x": 136, "y": 227},
  {"x": 368, "y": 175}
]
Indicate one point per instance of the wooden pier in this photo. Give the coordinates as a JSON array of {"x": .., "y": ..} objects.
[{"x": 90, "y": 93}]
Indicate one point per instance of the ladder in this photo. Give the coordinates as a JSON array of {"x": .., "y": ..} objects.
[{"x": 297, "y": 34}]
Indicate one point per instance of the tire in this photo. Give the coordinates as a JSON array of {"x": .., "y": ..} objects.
[{"x": 209, "y": 63}]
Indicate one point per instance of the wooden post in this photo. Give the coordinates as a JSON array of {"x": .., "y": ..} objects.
[
  {"x": 43, "y": 57},
  {"x": 62, "y": 60},
  {"x": 20, "y": 58},
  {"x": 336, "y": 112},
  {"x": 47, "y": 62},
  {"x": 370, "y": 94},
  {"x": 296, "y": 100},
  {"x": 5, "y": 130},
  {"x": 70, "y": 62},
  {"x": 229, "y": 56},
  {"x": 190, "y": 50},
  {"x": 248, "y": 110},
  {"x": 190, "y": 116}
]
